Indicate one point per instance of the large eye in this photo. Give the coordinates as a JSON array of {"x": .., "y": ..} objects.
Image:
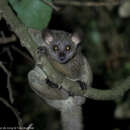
[
  {"x": 68, "y": 47},
  {"x": 55, "y": 48}
]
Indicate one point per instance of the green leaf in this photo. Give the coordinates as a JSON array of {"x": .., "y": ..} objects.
[
  {"x": 127, "y": 66},
  {"x": 33, "y": 13},
  {"x": 95, "y": 37}
]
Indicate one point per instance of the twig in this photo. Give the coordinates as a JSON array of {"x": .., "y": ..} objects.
[
  {"x": 88, "y": 4},
  {"x": 8, "y": 82},
  {"x": 5, "y": 40},
  {"x": 7, "y": 50},
  {"x": 51, "y": 5},
  {"x": 23, "y": 54},
  {"x": 1, "y": 14},
  {"x": 30, "y": 126},
  {"x": 16, "y": 113}
]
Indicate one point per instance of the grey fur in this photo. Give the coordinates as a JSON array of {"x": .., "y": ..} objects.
[{"x": 61, "y": 39}]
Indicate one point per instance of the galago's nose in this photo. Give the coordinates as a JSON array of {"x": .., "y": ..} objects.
[{"x": 62, "y": 56}]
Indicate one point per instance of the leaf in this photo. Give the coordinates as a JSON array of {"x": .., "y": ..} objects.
[
  {"x": 127, "y": 66},
  {"x": 95, "y": 37},
  {"x": 33, "y": 13}
]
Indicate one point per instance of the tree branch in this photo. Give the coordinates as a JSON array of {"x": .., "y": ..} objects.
[
  {"x": 8, "y": 82},
  {"x": 85, "y": 4},
  {"x": 16, "y": 113},
  {"x": 29, "y": 58},
  {"x": 6, "y": 40},
  {"x": 51, "y": 5}
]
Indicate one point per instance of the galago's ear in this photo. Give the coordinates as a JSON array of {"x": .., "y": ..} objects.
[
  {"x": 47, "y": 36},
  {"x": 76, "y": 37}
]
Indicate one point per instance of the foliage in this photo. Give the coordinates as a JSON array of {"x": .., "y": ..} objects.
[{"x": 33, "y": 13}]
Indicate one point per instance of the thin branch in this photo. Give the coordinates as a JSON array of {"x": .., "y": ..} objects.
[
  {"x": 6, "y": 40},
  {"x": 85, "y": 4},
  {"x": 51, "y": 5},
  {"x": 16, "y": 113},
  {"x": 7, "y": 50},
  {"x": 1, "y": 13},
  {"x": 8, "y": 82},
  {"x": 30, "y": 126},
  {"x": 23, "y": 54}
]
